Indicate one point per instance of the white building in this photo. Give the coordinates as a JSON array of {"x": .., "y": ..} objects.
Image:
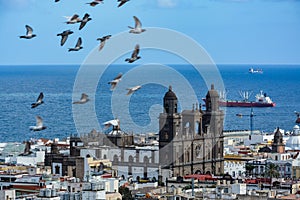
[{"x": 234, "y": 168}]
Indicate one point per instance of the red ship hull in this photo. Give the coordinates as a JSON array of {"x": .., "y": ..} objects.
[{"x": 245, "y": 104}]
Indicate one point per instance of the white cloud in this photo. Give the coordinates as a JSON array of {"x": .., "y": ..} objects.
[{"x": 167, "y": 3}]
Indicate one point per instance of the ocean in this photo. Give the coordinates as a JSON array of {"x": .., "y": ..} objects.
[{"x": 21, "y": 85}]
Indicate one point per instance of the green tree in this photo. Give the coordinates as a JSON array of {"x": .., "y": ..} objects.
[
  {"x": 249, "y": 169},
  {"x": 125, "y": 192},
  {"x": 272, "y": 172}
]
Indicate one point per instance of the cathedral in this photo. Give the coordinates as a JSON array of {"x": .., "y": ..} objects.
[{"x": 191, "y": 141}]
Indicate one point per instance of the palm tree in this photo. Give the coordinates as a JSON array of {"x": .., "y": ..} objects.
[
  {"x": 272, "y": 171},
  {"x": 249, "y": 169}
]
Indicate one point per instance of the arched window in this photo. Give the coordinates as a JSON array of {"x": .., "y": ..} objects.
[{"x": 116, "y": 159}]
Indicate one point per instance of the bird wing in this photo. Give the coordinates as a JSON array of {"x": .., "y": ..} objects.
[
  {"x": 136, "y": 51},
  {"x": 130, "y": 91},
  {"x": 84, "y": 96},
  {"x": 118, "y": 76},
  {"x": 63, "y": 39},
  {"x": 39, "y": 121},
  {"x": 101, "y": 45},
  {"x": 82, "y": 24},
  {"x": 138, "y": 23},
  {"x": 113, "y": 122},
  {"x": 29, "y": 30},
  {"x": 75, "y": 16},
  {"x": 40, "y": 98},
  {"x": 113, "y": 84},
  {"x": 86, "y": 16},
  {"x": 122, "y": 3},
  {"x": 79, "y": 42}
]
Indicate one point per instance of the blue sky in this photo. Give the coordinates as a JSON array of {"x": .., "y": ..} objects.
[{"x": 231, "y": 31}]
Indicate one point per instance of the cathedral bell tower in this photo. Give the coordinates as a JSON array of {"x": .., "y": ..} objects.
[{"x": 169, "y": 127}]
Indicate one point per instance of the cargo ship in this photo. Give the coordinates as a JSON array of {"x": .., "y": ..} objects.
[{"x": 262, "y": 100}]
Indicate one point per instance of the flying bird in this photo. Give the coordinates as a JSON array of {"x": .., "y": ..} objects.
[
  {"x": 39, "y": 101},
  {"x": 85, "y": 19},
  {"x": 84, "y": 98},
  {"x": 64, "y": 36},
  {"x": 78, "y": 45},
  {"x": 95, "y": 2},
  {"x": 39, "y": 125},
  {"x": 133, "y": 89},
  {"x": 102, "y": 41},
  {"x": 115, "y": 81},
  {"x": 138, "y": 26},
  {"x": 29, "y": 34},
  {"x": 56, "y": 0},
  {"x": 73, "y": 20},
  {"x": 122, "y": 2},
  {"x": 134, "y": 55},
  {"x": 114, "y": 122}
]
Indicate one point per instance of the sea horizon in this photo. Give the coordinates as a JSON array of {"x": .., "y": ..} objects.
[{"x": 19, "y": 88}]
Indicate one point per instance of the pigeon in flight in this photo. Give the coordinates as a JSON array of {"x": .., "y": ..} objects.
[
  {"x": 64, "y": 36},
  {"x": 39, "y": 125},
  {"x": 39, "y": 101},
  {"x": 85, "y": 19},
  {"x": 114, "y": 122},
  {"x": 29, "y": 34},
  {"x": 95, "y": 2},
  {"x": 84, "y": 98},
  {"x": 73, "y": 20},
  {"x": 116, "y": 80},
  {"x": 134, "y": 55},
  {"x": 78, "y": 45},
  {"x": 133, "y": 89},
  {"x": 102, "y": 41},
  {"x": 138, "y": 26},
  {"x": 122, "y": 2}
]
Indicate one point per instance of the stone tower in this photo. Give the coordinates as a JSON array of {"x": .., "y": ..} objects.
[
  {"x": 169, "y": 127},
  {"x": 278, "y": 145}
]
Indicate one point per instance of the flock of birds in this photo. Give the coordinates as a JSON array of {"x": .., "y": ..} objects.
[{"x": 137, "y": 29}]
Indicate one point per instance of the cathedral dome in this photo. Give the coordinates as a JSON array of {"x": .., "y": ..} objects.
[
  {"x": 293, "y": 142},
  {"x": 170, "y": 94}
]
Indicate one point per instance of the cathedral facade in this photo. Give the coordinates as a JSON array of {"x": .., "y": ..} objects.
[{"x": 191, "y": 141}]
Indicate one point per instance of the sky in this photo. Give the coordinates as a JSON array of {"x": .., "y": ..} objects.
[{"x": 230, "y": 31}]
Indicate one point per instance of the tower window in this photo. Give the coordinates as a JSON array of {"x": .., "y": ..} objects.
[
  {"x": 166, "y": 136},
  {"x": 175, "y": 107}
]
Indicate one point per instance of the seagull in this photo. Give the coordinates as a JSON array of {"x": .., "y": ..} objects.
[
  {"x": 84, "y": 98},
  {"x": 85, "y": 19},
  {"x": 74, "y": 19},
  {"x": 134, "y": 55},
  {"x": 122, "y": 2},
  {"x": 64, "y": 36},
  {"x": 102, "y": 41},
  {"x": 39, "y": 101},
  {"x": 95, "y": 2},
  {"x": 114, "y": 122},
  {"x": 138, "y": 26},
  {"x": 39, "y": 125},
  {"x": 133, "y": 89},
  {"x": 78, "y": 45},
  {"x": 29, "y": 34},
  {"x": 116, "y": 80}
]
